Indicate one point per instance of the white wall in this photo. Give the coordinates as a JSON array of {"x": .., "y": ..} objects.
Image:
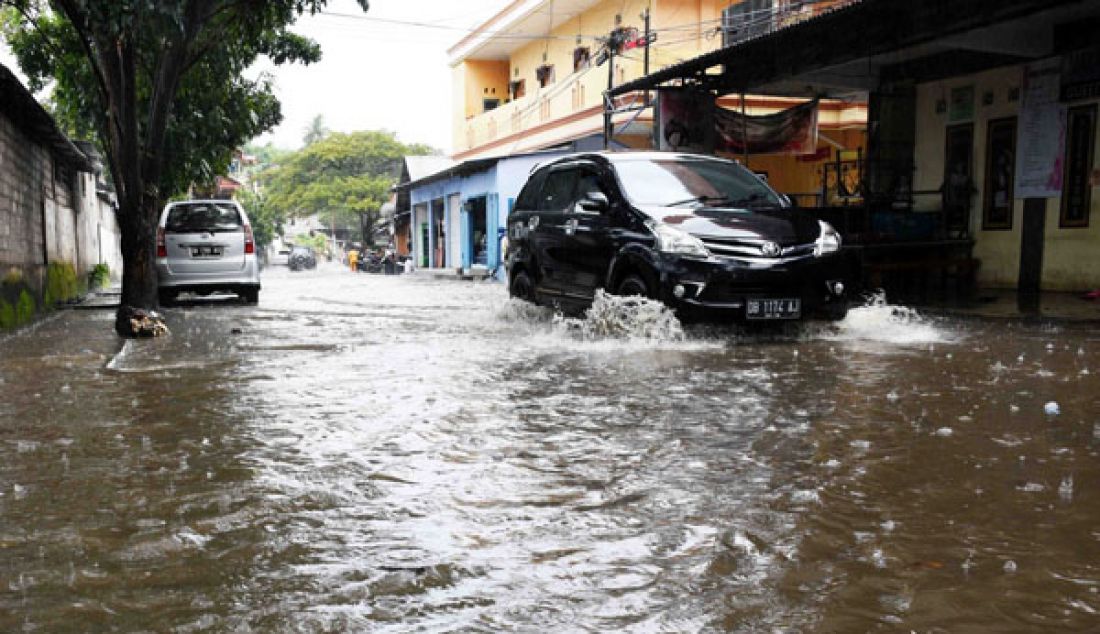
[{"x": 1071, "y": 258}]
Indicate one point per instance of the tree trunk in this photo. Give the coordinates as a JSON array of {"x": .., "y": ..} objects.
[{"x": 137, "y": 221}]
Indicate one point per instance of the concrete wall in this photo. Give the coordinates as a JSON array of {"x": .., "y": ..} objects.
[
  {"x": 24, "y": 170},
  {"x": 1071, "y": 256},
  {"x": 50, "y": 213}
]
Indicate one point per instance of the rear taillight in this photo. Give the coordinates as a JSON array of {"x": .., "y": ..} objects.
[
  {"x": 249, "y": 243},
  {"x": 162, "y": 249}
]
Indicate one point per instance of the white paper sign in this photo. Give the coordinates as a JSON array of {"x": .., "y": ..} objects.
[{"x": 1042, "y": 133}]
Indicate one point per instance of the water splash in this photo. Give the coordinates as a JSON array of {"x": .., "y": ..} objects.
[
  {"x": 632, "y": 318},
  {"x": 611, "y": 318},
  {"x": 882, "y": 322}
]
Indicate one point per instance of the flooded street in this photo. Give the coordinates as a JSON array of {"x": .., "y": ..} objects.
[{"x": 370, "y": 453}]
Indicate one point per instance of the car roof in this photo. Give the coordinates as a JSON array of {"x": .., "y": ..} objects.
[
  {"x": 203, "y": 201},
  {"x": 634, "y": 155}
]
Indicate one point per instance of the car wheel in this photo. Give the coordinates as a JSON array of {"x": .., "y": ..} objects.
[
  {"x": 633, "y": 285},
  {"x": 522, "y": 287},
  {"x": 250, "y": 295},
  {"x": 166, "y": 298}
]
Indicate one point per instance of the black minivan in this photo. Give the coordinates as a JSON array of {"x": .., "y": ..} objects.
[{"x": 699, "y": 233}]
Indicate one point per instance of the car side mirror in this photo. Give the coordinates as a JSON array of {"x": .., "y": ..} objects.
[{"x": 595, "y": 201}]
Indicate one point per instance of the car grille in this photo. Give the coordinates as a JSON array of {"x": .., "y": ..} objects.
[
  {"x": 725, "y": 290},
  {"x": 752, "y": 249}
]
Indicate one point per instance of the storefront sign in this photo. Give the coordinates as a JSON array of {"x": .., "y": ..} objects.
[{"x": 1041, "y": 132}]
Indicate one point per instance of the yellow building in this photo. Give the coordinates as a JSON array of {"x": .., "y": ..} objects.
[{"x": 533, "y": 76}]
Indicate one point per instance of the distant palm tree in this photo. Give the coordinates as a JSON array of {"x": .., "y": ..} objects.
[{"x": 315, "y": 131}]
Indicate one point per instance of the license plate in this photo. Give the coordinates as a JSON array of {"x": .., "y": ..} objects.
[
  {"x": 788, "y": 308},
  {"x": 205, "y": 252}
]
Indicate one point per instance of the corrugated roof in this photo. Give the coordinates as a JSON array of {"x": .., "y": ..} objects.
[
  {"x": 19, "y": 105},
  {"x": 423, "y": 166},
  {"x": 848, "y": 32},
  {"x": 468, "y": 166}
]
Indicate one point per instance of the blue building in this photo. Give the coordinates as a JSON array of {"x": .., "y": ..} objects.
[{"x": 457, "y": 215}]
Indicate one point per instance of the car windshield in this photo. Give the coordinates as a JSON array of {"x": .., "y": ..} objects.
[
  {"x": 673, "y": 182},
  {"x": 203, "y": 218}
]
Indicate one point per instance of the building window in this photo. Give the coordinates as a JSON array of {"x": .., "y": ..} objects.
[
  {"x": 747, "y": 19},
  {"x": 1000, "y": 168},
  {"x": 1080, "y": 140},
  {"x": 517, "y": 89},
  {"x": 545, "y": 75},
  {"x": 582, "y": 58},
  {"x": 489, "y": 104}
]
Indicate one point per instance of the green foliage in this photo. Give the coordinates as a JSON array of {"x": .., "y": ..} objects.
[
  {"x": 317, "y": 242},
  {"x": 24, "y": 308},
  {"x": 340, "y": 177},
  {"x": 7, "y": 315},
  {"x": 61, "y": 283},
  {"x": 267, "y": 155},
  {"x": 266, "y": 220},
  {"x": 12, "y": 288},
  {"x": 162, "y": 86},
  {"x": 99, "y": 276},
  {"x": 214, "y": 109}
]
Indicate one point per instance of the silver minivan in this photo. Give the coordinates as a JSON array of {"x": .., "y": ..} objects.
[{"x": 205, "y": 246}]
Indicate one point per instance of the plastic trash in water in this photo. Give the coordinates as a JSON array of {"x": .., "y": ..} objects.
[{"x": 1052, "y": 408}]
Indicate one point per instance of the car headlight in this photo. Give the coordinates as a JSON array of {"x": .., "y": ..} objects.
[
  {"x": 672, "y": 240},
  {"x": 828, "y": 241}
]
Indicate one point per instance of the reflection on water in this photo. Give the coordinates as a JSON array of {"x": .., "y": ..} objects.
[{"x": 369, "y": 453}]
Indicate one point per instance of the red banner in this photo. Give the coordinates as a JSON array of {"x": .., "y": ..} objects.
[
  {"x": 791, "y": 131},
  {"x": 691, "y": 121}
]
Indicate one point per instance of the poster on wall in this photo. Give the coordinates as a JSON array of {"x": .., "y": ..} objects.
[
  {"x": 1041, "y": 143},
  {"x": 962, "y": 104},
  {"x": 685, "y": 121}
]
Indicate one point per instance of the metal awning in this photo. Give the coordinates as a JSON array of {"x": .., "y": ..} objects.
[{"x": 845, "y": 52}]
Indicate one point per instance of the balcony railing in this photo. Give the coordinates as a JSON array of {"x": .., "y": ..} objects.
[
  {"x": 752, "y": 18},
  {"x": 568, "y": 96}
]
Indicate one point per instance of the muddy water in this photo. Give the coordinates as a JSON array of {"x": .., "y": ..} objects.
[{"x": 361, "y": 453}]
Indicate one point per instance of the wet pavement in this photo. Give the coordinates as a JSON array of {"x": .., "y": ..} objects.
[{"x": 370, "y": 453}]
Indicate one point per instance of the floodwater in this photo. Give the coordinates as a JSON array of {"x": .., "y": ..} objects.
[{"x": 394, "y": 454}]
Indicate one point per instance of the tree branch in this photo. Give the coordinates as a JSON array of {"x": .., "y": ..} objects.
[{"x": 79, "y": 22}]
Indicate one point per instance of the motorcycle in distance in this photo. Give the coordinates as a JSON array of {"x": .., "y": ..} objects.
[
  {"x": 372, "y": 262},
  {"x": 301, "y": 258}
]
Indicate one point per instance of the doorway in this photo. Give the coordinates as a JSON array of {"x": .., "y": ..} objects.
[
  {"x": 477, "y": 239},
  {"x": 454, "y": 230},
  {"x": 439, "y": 235}
]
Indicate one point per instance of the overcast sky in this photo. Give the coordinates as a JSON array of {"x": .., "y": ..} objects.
[{"x": 375, "y": 73}]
